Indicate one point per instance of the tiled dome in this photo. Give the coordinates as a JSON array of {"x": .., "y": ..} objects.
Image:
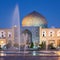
[{"x": 34, "y": 19}]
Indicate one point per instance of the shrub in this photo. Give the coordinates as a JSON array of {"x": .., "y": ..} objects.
[
  {"x": 50, "y": 46},
  {"x": 32, "y": 45},
  {"x": 0, "y": 47},
  {"x": 16, "y": 45},
  {"x": 43, "y": 45}
]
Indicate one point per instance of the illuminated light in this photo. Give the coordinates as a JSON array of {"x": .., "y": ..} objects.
[
  {"x": 2, "y": 54},
  {"x": 2, "y": 42},
  {"x": 34, "y": 53},
  {"x": 58, "y": 53}
]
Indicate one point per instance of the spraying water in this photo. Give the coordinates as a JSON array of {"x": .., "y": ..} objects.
[{"x": 16, "y": 24}]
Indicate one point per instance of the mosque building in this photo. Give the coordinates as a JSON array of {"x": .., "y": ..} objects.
[
  {"x": 34, "y": 29},
  {"x": 37, "y": 25},
  {"x": 32, "y": 22}
]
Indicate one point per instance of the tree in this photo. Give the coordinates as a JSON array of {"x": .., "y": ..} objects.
[
  {"x": 16, "y": 45},
  {"x": 51, "y": 46},
  {"x": 32, "y": 45},
  {"x": 43, "y": 45},
  {"x": 9, "y": 44},
  {"x": 0, "y": 46}
]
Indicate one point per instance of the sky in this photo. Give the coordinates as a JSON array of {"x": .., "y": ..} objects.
[{"x": 50, "y": 9}]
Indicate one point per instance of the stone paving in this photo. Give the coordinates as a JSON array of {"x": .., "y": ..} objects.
[{"x": 39, "y": 55}]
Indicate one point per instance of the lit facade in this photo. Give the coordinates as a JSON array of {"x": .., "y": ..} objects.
[
  {"x": 50, "y": 35},
  {"x": 37, "y": 25},
  {"x": 34, "y": 29},
  {"x": 8, "y": 36},
  {"x": 33, "y": 22},
  {"x": 5, "y": 36}
]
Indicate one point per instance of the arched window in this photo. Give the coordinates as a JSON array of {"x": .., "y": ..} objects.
[
  {"x": 58, "y": 33},
  {"x": 43, "y": 33},
  {"x": 2, "y": 34},
  {"x": 51, "y": 33},
  {"x": 27, "y": 36},
  {"x": 9, "y": 34}
]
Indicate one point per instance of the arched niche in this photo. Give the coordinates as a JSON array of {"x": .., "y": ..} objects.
[{"x": 27, "y": 36}]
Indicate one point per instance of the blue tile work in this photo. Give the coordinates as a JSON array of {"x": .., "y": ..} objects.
[{"x": 34, "y": 31}]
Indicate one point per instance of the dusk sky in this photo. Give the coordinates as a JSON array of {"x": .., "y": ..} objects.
[{"x": 50, "y": 9}]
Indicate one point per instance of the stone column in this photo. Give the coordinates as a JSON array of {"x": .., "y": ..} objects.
[
  {"x": 46, "y": 45},
  {"x": 6, "y": 36}
]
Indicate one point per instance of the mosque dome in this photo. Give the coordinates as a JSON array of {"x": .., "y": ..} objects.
[{"x": 34, "y": 19}]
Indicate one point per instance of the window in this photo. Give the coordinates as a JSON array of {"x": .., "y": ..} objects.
[
  {"x": 51, "y": 33},
  {"x": 9, "y": 34},
  {"x": 44, "y": 33},
  {"x": 58, "y": 33},
  {"x": 2, "y": 34}
]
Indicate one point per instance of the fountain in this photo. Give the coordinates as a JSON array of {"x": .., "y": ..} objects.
[{"x": 16, "y": 24}]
